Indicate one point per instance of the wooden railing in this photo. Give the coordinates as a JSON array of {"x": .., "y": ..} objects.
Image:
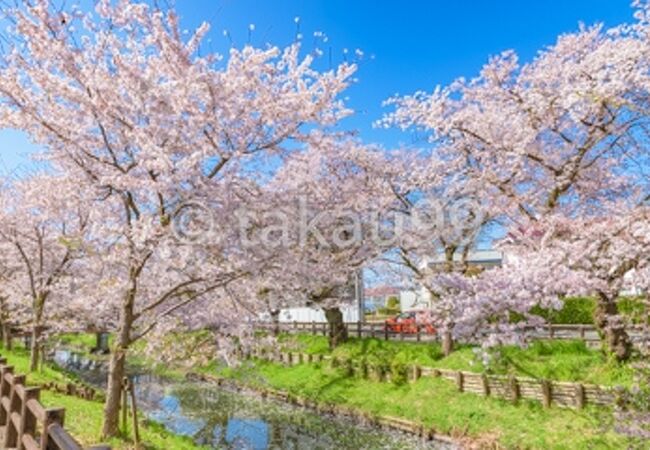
[
  {"x": 25, "y": 424},
  {"x": 587, "y": 333},
  {"x": 547, "y": 392}
]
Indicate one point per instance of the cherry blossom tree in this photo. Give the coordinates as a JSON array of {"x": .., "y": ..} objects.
[
  {"x": 448, "y": 211},
  {"x": 7, "y": 269},
  {"x": 551, "y": 136},
  {"x": 321, "y": 227},
  {"x": 43, "y": 226},
  {"x": 596, "y": 253},
  {"x": 151, "y": 124}
]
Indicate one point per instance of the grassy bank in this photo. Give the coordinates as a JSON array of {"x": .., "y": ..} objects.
[
  {"x": 553, "y": 360},
  {"x": 83, "y": 418},
  {"x": 436, "y": 403}
]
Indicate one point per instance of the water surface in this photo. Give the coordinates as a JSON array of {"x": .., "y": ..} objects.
[{"x": 223, "y": 419}]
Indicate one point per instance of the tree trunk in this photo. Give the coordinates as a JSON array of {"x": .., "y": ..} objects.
[
  {"x": 611, "y": 329},
  {"x": 275, "y": 320},
  {"x": 338, "y": 332},
  {"x": 447, "y": 343},
  {"x": 117, "y": 368},
  {"x": 39, "y": 305},
  {"x": 6, "y": 336},
  {"x": 35, "y": 348},
  {"x": 116, "y": 375}
]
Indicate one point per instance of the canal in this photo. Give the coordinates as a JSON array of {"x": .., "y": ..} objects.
[{"x": 220, "y": 418}]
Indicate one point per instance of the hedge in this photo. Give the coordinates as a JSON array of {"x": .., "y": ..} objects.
[{"x": 580, "y": 310}]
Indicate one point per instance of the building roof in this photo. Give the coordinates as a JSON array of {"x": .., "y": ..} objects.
[
  {"x": 382, "y": 291},
  {"x": 474, "y": 257}
]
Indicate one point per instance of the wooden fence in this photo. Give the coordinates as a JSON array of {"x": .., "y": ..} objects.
[
  {"x": 25, "y": 424},
  {"x": 587, "y": 333},
  {"x": 547, "y": 392}
]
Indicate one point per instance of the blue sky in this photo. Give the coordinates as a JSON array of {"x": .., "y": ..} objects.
[{"x": 414, "y": 45}]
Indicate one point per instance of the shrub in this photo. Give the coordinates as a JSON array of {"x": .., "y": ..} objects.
[
  {"x": 388, "y": 311},
  {"x": 398, "y": 372},
  {"x": 580, "y": 310},
  {"x": 393, "y": 303},
  {"x": 633, "y": 307},
  {"x": 576, "y": 311}
]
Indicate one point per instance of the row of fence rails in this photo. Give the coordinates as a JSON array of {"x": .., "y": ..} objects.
[
  {"x": 25, "y": 423},
  {"x": 354, "y": 329},
  {"x": 547, "y": 392},
  {"x": 381, "y": 330}
]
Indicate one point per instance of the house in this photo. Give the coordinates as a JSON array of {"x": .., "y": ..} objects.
[{"x": 482, "y": 259}]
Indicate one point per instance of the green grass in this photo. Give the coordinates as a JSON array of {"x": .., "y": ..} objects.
[
  {"x": 79, "y": 341},
  {"x": 553, "y": 360},
  {"x": 83, "y": 418},
  {"x": 436, "y": 403}
]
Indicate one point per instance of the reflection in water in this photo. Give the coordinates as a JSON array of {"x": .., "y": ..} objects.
[{"x": 222, "y": 419}]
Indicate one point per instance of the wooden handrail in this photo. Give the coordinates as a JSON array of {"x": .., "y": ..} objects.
[{"x": 25, "y": 424}]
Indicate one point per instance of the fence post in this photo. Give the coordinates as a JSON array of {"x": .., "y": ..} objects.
[
  {"x": 372, "y": 330},
  {"x": 27, "y": 421},
  {"x": 459, "y": 380},
  {"x": 416, "y": 373},
  {"x": 56, "y": 415},
  {"x": 15, "y": 406},
  {"x": 5, "y": 390},
  {"x": 134, "y": 409},
  {"x": 417, "y": 328},
  {"x": 486, "y": 385},
  {"x": 295, "y": 325},
  {"x": 546, "y": 393},
  {"x": 551, "y": 331},
  {"x": 313, "y": 328},
  {"x": 514, "y": 388},
  {"x": 580, "y": 396},
  {"x": 358, "y": 328},
  {"x": 125, "y": 403},
  {"x": 385, "y": 331},
  {"x": 582, "y": 332}
]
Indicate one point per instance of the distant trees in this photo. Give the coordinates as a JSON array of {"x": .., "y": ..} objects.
[{"x": 43, "y": 228}]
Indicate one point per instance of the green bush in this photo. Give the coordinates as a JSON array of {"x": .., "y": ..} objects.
[
  {"x": 392, "y": 303},
  {"x": 388, "y": 311},
  {"x": 576, "y": 310},
  {"x": 398, "y": 372},
  {"x": 580, "y": 310},
  {"x": 633, "y": 307}
]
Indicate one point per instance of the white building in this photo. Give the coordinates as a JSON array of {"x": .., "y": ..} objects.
[
  {"x": 307, "y": 314},
  {"x": 351, "y": 313},
  {"x": 413, "y": 301},
  {"x": 484, "y": 259}
]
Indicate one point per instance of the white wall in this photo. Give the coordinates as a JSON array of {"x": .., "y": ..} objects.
[
  {"x": 413, "y": 300},
  {"x": 350, "y": 314}
]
